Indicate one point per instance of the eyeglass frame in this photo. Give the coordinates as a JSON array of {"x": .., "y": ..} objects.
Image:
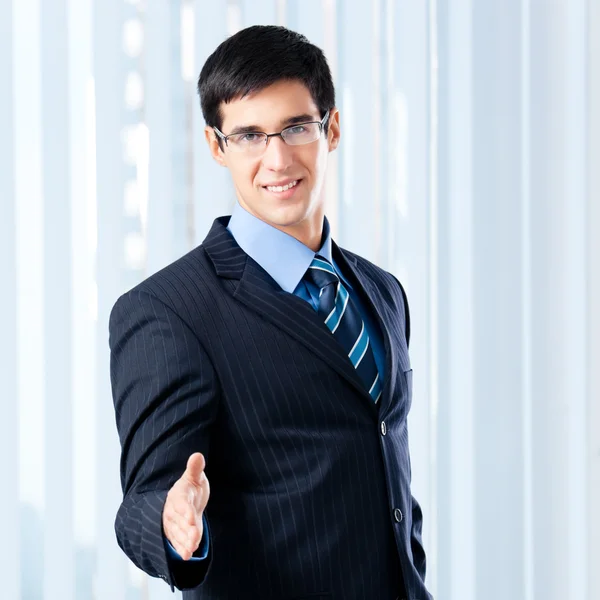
[{"x": 321, "y": 124}]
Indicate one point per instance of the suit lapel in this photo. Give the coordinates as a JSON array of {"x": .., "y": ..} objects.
[
  {"x": 258, "y": 291},
  {"x": 385, "y": 318}
]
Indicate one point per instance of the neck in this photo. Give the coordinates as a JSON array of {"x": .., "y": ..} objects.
[{"x": 309, "y": 234}]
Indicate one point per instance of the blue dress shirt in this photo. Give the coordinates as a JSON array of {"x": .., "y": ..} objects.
[{"x": 267, "y": 245}]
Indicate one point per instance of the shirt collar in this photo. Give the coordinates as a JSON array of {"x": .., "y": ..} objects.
[{"x": 282, "y": 256}]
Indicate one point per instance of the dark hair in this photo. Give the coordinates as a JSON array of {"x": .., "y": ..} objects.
[{"x": 257, "y": 57}]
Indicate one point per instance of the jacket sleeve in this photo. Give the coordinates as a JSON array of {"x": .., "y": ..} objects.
[{"x": 165, "y": 394}]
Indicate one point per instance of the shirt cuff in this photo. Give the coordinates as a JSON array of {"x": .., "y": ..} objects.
[{"x": 202, "y": 551}]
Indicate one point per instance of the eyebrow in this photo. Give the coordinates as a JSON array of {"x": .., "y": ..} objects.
[{"x": 285, "y": 123}]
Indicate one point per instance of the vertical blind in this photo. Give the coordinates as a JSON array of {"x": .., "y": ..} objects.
[{"x": 468, "y": 168}]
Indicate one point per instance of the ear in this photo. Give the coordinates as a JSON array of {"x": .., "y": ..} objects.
[
  {"x": 333, "y": 129},
  {"x": 213, "y": 144}
]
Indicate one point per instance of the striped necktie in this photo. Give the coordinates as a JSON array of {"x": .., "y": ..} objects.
[{"x": 343, "y": 319}]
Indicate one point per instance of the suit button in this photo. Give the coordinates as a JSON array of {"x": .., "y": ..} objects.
[
  {"x": 383, "y": 428},
  {"x": 398, "y": 515}
]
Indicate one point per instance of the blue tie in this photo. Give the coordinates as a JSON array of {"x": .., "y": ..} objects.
[{"x": 345, "y": 323}]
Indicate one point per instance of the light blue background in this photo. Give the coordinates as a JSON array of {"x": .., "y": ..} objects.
[{"x": 469, "y": 154}]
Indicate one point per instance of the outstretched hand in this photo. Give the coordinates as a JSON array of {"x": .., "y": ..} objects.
[{"x": 185, "y": 504}]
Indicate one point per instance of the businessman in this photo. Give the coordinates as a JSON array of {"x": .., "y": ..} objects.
[{"x": 262, "y": 382}]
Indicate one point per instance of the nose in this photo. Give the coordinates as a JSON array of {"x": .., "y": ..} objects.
[{"x": 277, "y": 155}]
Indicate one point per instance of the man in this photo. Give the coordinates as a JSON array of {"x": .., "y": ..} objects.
[{"x": 262, "y": 382}]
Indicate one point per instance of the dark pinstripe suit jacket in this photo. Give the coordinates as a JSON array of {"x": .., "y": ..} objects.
[{"x": 310, "y": 481}]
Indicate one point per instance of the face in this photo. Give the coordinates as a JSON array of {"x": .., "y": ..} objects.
[{"x": 298, "y": 211}]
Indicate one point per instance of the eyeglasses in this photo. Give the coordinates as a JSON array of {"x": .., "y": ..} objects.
[{"x": 254, "y": 142}]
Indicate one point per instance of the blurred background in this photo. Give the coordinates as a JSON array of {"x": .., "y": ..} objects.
[{"x": 470, "y": 153}]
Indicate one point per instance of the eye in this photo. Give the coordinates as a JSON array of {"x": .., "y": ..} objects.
[
  {"x": 297, "y": 129},
  {"x": 249, "y": 137}
]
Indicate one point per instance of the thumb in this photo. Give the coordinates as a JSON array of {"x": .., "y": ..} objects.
[{"x": 194, "y": 468}]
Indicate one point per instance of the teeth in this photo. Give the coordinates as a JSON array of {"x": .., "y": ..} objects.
[{"x": 282, "y": 188}]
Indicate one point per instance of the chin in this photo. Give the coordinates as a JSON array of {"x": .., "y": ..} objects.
[{"x": 288, "y": 217}]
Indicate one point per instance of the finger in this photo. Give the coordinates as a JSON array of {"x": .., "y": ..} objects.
[
  {"x": 187, "y": 540},
  {"x": 185, "y": 537},
  {"x": 194, "y": 469},
  {"x": 193, "y": 539},
  {"x": 176, "y": 538},
  {"x": 182, "y": 550},
  {"x": 189, "y": 521},
  {"x": 175, "y": 534},
  {"x": 187, "y": 546}
]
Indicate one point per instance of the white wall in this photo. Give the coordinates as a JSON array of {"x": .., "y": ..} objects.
[
  {"x": 470, "y": 131},
  {"x": 593, "y": 274}
]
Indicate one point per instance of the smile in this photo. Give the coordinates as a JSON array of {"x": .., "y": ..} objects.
[{"x": 282, "y": 188}]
